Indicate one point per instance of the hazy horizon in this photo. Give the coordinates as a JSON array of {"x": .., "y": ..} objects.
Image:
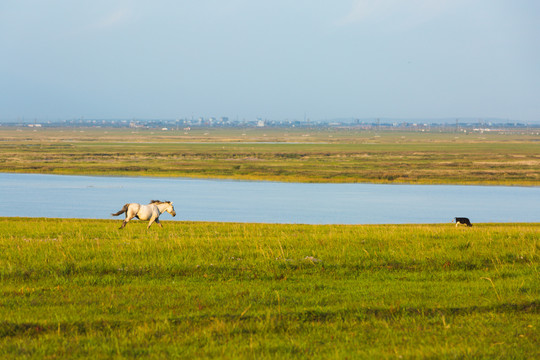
[
  {"x": 399, "y": 59},
  {"x": 440, "y": 121}
]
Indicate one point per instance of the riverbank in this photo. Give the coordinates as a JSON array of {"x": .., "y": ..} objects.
[
  {"x": 287, "y": 155},
  {"x": 75, "y": 288}
]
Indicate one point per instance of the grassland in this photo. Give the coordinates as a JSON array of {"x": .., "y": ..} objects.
[
  {"x": 299, "y": 155},
  {"x": 83, "y": 288}
]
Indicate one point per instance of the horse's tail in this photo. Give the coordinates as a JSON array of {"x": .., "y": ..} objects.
[{"x": 124, "y": 209}]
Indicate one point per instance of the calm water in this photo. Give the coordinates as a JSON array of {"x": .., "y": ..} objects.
[{"x": 270, "y": 202}]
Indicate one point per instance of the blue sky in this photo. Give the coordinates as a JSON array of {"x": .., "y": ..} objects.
[{"x": 424, "y": 59}]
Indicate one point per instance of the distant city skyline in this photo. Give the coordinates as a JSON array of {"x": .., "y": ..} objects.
[
  {"x": 387, "y": 59},
  {"x": 446, "y": 120},
  {"x": 207, "y": 122}
]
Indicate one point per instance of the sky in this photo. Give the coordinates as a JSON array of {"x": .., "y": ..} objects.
[{"x": 270, "y": 59}]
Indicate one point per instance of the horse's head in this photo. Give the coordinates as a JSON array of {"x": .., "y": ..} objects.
[
  {"x": 164, "y": 206},
  {"x": 170, "y": 208}
]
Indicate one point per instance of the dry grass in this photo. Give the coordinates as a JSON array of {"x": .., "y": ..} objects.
[{"x": 283, "y": 155}]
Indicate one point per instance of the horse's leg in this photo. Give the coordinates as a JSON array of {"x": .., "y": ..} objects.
[
  {"x": 129, "y": 216},
  {"x": 154, "y": 219}
]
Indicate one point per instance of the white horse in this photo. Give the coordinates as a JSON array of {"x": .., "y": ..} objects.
[{"x": 146, "y": 212}]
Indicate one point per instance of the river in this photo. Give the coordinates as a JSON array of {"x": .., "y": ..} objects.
[{"x": 96, "y": 197}]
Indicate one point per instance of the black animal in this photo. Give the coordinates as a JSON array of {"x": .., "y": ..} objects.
[{"x": 462, "y": 221}]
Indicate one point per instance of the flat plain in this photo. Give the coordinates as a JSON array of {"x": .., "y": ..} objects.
[
  {"x": 297, "y": 155},
  {"x": 84, "y": 288}
]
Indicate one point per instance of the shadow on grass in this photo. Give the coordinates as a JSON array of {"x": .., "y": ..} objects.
[{"x": 33, "y": 329}]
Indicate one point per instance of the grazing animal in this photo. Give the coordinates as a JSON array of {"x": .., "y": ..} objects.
[
  {"x": 146, "y": 212},
  {"x": 462, "y": 221}
]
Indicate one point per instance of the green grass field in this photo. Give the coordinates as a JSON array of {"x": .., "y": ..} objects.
[
  {"x": 297, "y": 155},
  {"x": 84, "y": 289}
]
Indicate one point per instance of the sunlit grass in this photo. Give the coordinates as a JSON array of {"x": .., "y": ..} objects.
[{"x": 78, "y": 288}]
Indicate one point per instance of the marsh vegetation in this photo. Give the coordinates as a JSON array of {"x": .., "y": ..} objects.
[{"x": 299, "y": 155}]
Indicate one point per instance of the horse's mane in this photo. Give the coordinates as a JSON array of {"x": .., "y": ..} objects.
[{"x": 158, "y": 202}]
